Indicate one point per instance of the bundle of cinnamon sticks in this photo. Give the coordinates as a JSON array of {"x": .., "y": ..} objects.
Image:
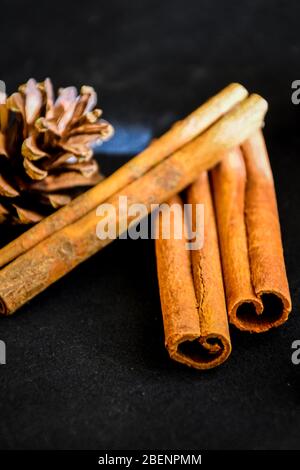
[{"x": 237, "y": 276}]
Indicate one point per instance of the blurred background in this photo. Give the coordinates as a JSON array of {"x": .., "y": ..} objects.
[
  {"x": 152, "y": 61},
  {"x": 86, "y": 364}
]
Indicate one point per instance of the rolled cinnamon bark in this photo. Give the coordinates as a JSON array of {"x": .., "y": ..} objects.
[
  {"x": 51, "y": 259},
  {"x": 180, "y": 134},
  {"x": 191, "y": 288},
  {"x": 255, "y": 279}
]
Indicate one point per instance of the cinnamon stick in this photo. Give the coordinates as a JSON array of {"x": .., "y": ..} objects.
[
  {"x": 180, "y": 134},
  {"x": 255, "y": 279},
  {"x": 191, "y": 288},
  {"x": 51, "y": 259}
]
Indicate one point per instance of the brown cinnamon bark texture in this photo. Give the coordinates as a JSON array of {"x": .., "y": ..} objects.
[
  {"x": 255, "y": 279},
  {"x": 181, "y": 133},
  {"x": 191, "y": 288},
  {"x": 51, "y": 259}
]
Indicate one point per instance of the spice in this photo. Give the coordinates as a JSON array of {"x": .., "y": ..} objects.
[
  {"x": 51, "y": 259},
  {"x": 181, "y": 133},
  {"x": 255, "y": 279},
  {"x": 191, "y": 288}
]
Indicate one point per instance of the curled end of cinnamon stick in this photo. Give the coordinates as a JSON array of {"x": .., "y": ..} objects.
[
  {"x": 202, "y": 353},
  {"x": 257, "y": 315}
]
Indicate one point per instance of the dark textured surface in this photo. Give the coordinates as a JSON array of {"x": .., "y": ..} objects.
[{"x": 86, "y": 365}]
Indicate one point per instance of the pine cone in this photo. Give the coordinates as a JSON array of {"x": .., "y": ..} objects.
[{"x": 46, "y": 155}]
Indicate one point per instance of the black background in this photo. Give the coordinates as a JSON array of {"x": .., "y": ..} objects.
[{"x": 86, "y": 364}]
